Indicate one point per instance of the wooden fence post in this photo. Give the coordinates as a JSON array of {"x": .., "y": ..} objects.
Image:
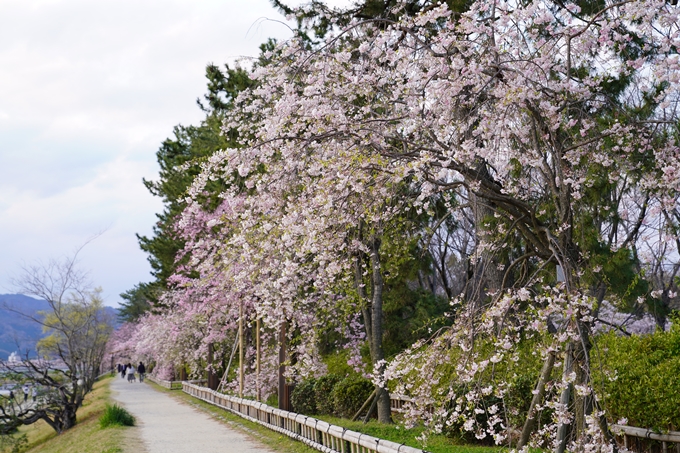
[{"x": 282, "y": 367}]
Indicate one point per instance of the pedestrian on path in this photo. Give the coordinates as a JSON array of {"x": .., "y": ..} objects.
[
  {"x": 35, "y": 393},
  {"x": 141, "y": 369},
  {"x": 130, "y": 373},
  {"x": 26, "y": 390}
]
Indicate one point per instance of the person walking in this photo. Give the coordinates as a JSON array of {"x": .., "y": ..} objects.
[
  {"x": 26, "y": 390},
  {"x": 130, "y": 373},
  {"x": 35, "y": 393},
  {"x": 141, "y": 369}
]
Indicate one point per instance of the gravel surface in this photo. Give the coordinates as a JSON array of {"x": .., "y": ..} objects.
[{"x": 170, "y": 426}]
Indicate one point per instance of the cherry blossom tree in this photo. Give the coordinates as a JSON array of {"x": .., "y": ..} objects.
[
  {"x": 550, "y": 127},
  {"x": 540, "y": 112}
]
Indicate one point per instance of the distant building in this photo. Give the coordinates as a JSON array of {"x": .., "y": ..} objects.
[{"x": 14, "y": 358}]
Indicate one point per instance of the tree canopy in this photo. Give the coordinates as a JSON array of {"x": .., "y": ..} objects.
[{"x": 525, "y": 152}]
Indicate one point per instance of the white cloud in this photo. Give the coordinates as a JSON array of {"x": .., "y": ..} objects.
[
  {"x": 113, "y": 200},
  {"x": 88, "y": 91}
]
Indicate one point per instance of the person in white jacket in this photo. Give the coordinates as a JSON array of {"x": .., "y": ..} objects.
[{"x": 130, "y": 372}]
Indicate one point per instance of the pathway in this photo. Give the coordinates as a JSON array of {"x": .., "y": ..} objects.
[{"x": 170, "y": 426}]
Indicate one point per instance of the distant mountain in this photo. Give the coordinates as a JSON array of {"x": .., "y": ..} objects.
[{"x": 17, "y": 332}]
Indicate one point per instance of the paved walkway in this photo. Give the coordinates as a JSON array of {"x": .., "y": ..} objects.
[{"x": 170, "y": 426}]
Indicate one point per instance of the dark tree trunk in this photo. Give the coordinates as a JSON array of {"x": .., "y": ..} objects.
[
  {"x": 378, "y": 356},
  {"x": 486, "y": 275}
]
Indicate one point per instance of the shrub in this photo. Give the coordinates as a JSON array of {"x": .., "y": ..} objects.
[
  {"x": 272, "y": 400},
  {"x": 350, "y": 394},
  {"x": 323, "y": 393},
  {"x": 336, "y": 363},
  {"x": 637, "y": 377},
  {"x": 303, "y": 399},
  {"x": 116, "y": 416}
]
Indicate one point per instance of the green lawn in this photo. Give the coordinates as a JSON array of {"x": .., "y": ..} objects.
[{"x": 396, "y": 433}]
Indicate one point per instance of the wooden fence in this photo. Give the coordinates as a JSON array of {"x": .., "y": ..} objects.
[
  {"x": 642, "y": 433},
  {"x": 172, "y": 385},
  {"x": 397, "y": 402},
  {"x": 317, "y": 434}
]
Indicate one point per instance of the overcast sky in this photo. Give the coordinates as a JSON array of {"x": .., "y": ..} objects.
[{"x": 88, "y": 91}]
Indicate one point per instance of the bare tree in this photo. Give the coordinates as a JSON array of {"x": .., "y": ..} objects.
[{"x": 67, "y": 360}]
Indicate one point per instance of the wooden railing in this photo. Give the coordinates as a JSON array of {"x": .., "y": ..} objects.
[
  {"x": 317, "y": 434},
  {"x": 631, "y": 431},
  {"x": 171, "y": 385},
  {"x": 397, "y": 402}
]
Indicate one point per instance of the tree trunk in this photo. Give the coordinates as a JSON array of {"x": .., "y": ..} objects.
[
  {"x": 366, "y": 311},
  {"x": 486, "y": 277},
  {"x": 372, "y": 313},
  {"x": 70, "y": 420},
  {"x": 378, "y": 356},
  {"x": 66, "y": 419}
]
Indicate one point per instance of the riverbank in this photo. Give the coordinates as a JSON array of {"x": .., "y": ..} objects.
[{"x": 86, "y": 436}]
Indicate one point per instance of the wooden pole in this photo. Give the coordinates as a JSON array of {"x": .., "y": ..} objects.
[
  {"x": 257, "y": 359},
  {"x": 530, "y": 422},
  {"x": 225, "y": 376},
  {"x": 210, "y": 361},
  {"x": 282, "y": 368},
  {"x": 373, "y": 407},
  {"x": 562, "y": 429},
  {"x": 364, "y": 406},
  {"x": 241, "y": 355}
]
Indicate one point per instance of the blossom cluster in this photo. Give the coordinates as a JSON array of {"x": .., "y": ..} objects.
[{"x": 534, "y": 108}]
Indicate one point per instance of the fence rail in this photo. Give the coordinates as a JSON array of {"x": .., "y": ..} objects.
[
  {"x": 632, "y": 431},
  {"x": 315, "y": 433},
  {"x": 397, "y": 402},
  {"x": 171, "y": 385}
]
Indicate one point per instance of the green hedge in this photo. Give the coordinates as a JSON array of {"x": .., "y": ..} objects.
[
  {"x": 303, "y": 398},
  {"x": 323, "y": 393},
  {"x": 350, "y": 394},
  {"x": 638, "y": 378}
]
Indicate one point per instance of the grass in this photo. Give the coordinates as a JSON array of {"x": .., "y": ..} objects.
[
  {"x": 114, "y": 415},
  {"x": 396, "y": 433},
  {"x": 86, "y": 436}
]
